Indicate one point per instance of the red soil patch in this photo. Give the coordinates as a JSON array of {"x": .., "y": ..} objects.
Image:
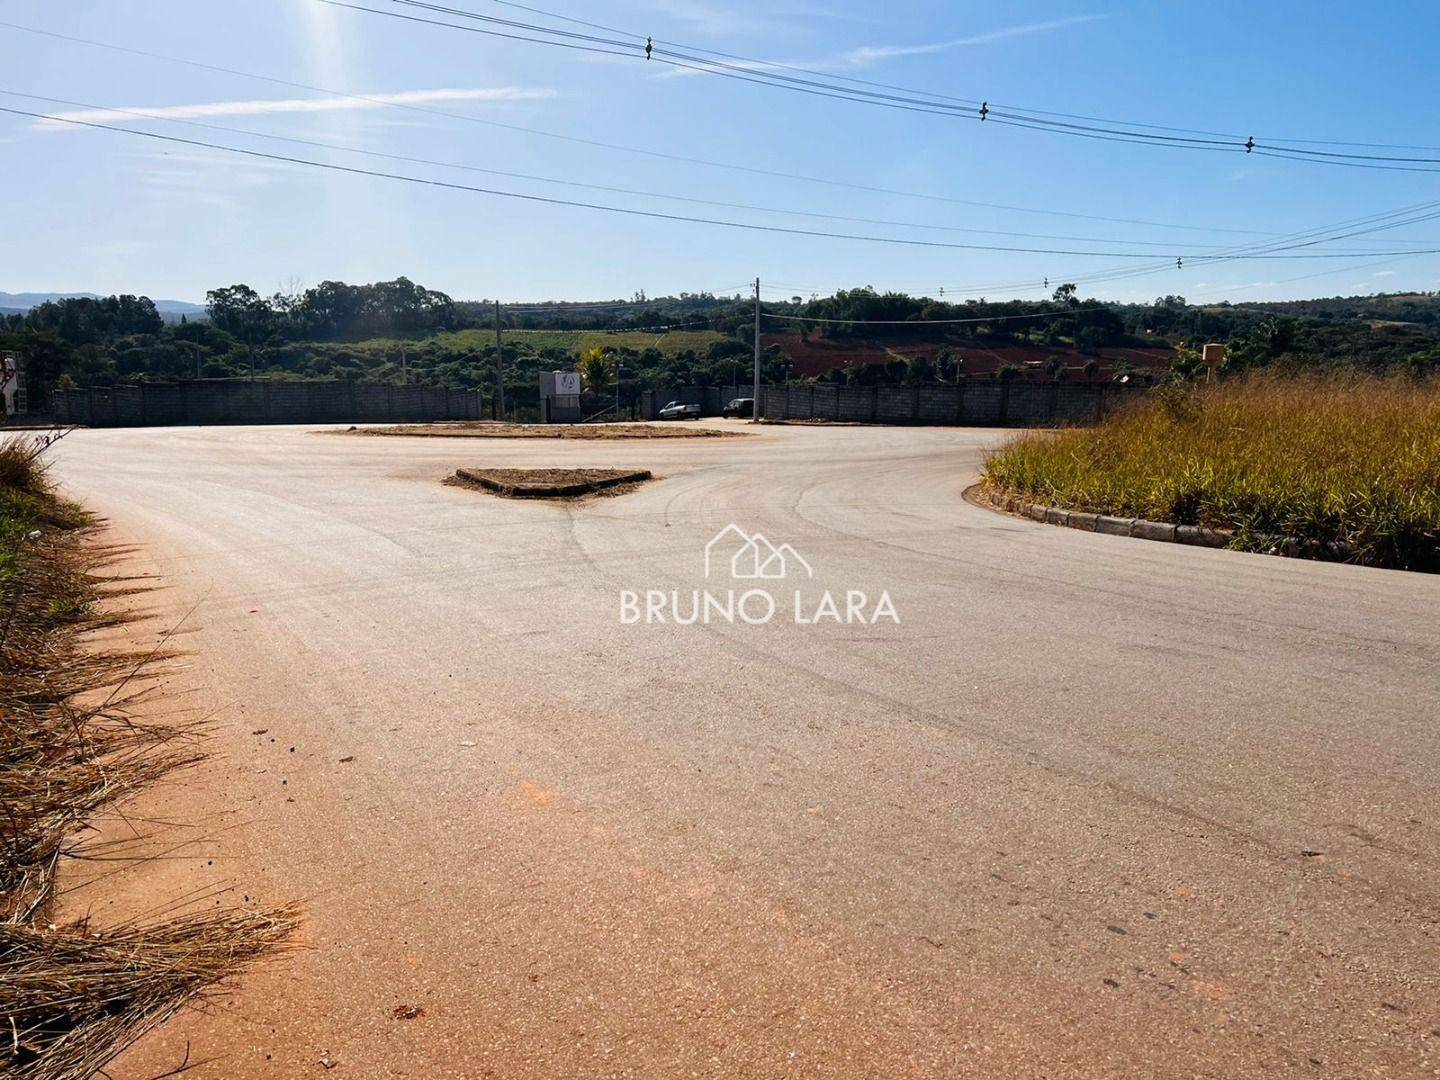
[{"x": 821, "y": 355}]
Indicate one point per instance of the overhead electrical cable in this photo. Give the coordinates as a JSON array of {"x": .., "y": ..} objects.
[
  {"x": 937, "y": 322},
  {"x": 973, "y": 102},
  {"x": 1276, "y": 252},
  {"x": 142, "y": 114},
  {"x": 769, "y": 74},
  {"x": 637, "y": 212},
  {"x": 621, "y": 148}
]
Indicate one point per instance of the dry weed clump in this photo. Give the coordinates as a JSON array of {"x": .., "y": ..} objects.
[
  {"x": 1346, "y": 464},
  {"x": 72, "y": 996}
]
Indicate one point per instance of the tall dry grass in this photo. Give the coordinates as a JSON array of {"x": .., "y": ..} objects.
[
  {"x": 1336, "y": 461},
  {"x": 71, "y": 747}
]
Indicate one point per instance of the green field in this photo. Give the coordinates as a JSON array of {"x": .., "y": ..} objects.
[{"x": 671, "y": 343}]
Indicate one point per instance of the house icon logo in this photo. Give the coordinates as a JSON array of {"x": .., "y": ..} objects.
[{"x": 752, "y": 557}]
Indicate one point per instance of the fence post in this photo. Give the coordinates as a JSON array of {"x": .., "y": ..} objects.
[
  {"x": 915, "y": 407},
  {"x": 1004, "y": 401},
  {"x": 1054, "y": 400},
  {"x": 874, "y": 403},
  {"x": 960, "y": 403},
  {"x": 1099, "y": 402}
]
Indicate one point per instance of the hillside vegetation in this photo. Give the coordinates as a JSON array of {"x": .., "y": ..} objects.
[
  {"x": 398, "y": 331},
  {"x": 1348, "y": 461}
]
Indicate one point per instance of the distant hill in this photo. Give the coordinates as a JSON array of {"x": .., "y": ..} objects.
[
  {"x": 1419, "y": 308},
  {"x": 170, "y": 310}
]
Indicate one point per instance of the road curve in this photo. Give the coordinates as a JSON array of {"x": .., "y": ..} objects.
[{"x": 1094, "y": 807}]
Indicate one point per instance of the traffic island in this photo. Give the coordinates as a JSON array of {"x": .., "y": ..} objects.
[
  {"x": 486, "y": 429},
  {"x": 551, "y": 483}
]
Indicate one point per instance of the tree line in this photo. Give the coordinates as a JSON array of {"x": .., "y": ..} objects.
[{"x": 399, "y": 331}]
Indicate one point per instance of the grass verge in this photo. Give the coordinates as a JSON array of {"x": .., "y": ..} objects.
[
  {"x": 1352, "y": 462},
  {"x": 73, "y": 995}
]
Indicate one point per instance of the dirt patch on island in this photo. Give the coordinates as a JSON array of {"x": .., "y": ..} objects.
[
  {"x": 488, "y": 429},
  {"x": 551, "y": 483}
]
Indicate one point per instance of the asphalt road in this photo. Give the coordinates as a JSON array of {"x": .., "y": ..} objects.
[{"x": 1094, "y": 807}]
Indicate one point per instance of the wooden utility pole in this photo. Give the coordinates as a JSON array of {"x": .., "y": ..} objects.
[
  {"x": 499, "y": 368},
  {"x": 755, "y": 415}
]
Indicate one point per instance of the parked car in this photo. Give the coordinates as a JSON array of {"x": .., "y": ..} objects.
[
  {"x": 740, "y": 406},
  {"x": 680, "y": 410}
]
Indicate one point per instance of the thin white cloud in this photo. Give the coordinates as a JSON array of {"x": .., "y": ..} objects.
[
  {"x": 869, "y": 54},
  {"x": 866, "y": 56},
  {"x": 1383, "y": 273},
  {"x": 289, "y": 105},
  {"x": 1247, "y": 285},
  {"x": 712, "y": 19}
]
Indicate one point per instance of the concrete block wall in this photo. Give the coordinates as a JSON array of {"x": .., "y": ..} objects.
[
  {"x": 262, "y": 402},
  {"x": 982, "y": 403}
]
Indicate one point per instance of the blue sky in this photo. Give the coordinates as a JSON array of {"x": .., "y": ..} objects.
[{"x": 93, "y": 210}]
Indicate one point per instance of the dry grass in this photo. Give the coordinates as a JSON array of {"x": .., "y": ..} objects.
[
  {"x": 73, "y": 996},
  {"x": 486, "y": 429},
  {"x": 1350, "y": 462}
]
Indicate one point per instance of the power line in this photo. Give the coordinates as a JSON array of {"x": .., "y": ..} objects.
[
  {"x": 612, "y": 189},
  {"x": 766, "y": 75},
  {"x": 621, "y": 148},
  {"x": 636, "y": 212},
  {"x": 935, "y": 322},
  {"x": 1368, "y": 223},
  {"x": 772, "y": 64},
  {"x": 601, "y": 329}
]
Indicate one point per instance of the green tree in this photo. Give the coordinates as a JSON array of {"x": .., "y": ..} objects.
[{"x": 598, "y": 367}]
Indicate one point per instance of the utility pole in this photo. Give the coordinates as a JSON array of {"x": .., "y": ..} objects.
[
  {"x": 499, "y": 369},
  {"x": 404, "y": 366},
  {"x": 755, "y": 416}
]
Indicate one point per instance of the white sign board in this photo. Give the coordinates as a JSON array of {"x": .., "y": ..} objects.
[
  {"x": 9, "y": 385},
  {"x": 567, "y": 383}
]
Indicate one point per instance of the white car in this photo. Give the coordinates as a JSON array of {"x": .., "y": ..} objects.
[{"x": 680, "y": 410}]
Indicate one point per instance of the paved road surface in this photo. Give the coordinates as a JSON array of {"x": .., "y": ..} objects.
[{"x": 1096, "y": 807}]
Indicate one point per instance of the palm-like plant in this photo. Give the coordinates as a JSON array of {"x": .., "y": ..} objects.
[{"x": 597, "y": 369}]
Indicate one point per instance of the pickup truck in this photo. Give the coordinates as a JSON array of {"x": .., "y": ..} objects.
[{"x": 680, "y": 410}]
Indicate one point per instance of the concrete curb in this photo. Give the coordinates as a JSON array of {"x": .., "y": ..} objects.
[
  {"x": 1164, "y": 531},
  {"x": 550, "y": 491},
  {"x": 1138, "y": 528}
]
